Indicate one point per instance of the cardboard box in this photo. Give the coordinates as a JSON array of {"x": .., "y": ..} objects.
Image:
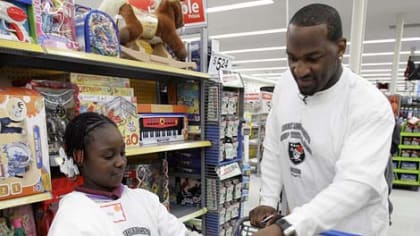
[
  {"x": 24, "y": 161},
  {"x": 99, "y": 80},
  {"x": 162, "y": 128},
  {"x": 158, "y": 108},
  {"x": 122, "y": 110}
]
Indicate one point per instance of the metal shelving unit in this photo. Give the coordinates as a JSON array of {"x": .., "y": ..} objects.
[
  {"x": 217, "y": 213},
  {"x": 31, "y": 59}
]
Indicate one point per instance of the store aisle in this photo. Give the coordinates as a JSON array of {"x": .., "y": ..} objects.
[{"x": 405, "y": 219}]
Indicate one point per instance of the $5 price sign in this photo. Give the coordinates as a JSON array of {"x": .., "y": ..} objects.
[{"x": 219, "y": 62}]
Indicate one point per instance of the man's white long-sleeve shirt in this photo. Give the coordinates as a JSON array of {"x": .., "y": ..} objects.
[{"x": 329, "y": 151}]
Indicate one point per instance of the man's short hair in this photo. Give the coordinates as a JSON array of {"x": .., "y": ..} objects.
[{"x": 316, "y": 14}]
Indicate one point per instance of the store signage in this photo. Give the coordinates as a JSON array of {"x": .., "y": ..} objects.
[
  {"x": 228, "y": 171},
  {"x": 219, "y": 62},
  {"x": 194, "y": 12}
]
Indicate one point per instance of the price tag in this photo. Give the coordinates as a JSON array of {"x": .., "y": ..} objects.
[
  {"x": 219, "y": 62},
  {"x": 228, "y": 171}
]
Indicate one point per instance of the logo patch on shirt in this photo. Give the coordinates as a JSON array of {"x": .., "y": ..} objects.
[
  {"x": 296, "y": 153},
  {"x": 136, "y": 231}
]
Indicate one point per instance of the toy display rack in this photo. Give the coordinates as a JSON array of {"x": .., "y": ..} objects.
[
  {"x": 160, "y": 56},
  {"x": 407, "y": 168},
  {"x": 215, "y": 218},
  {"x": 26, "y": 60}
]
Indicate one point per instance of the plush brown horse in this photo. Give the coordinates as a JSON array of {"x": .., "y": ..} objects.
[{"x": 138, "y": 25}]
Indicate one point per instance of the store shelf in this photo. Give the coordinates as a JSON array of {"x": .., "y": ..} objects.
[
  {"x": 166, "y": 147},
  {"x": 404, "y": 171},
  {"x": 406, "y": 134},
  {"x": 405, "y": 159},
  {"x": 20, "y": 47},
  {"x": 25, "y": 200},
  {"x": 185, "y": 213},
  {"x": 18, "y": 54},
  {"x": 401, "y": 182},
  {"x": 416, "y": 147}
]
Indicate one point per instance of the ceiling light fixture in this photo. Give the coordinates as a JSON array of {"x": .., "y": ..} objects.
[
  {"x": 254, "y": 50},
  {"x": 267, "y": 74},
  {"x": 260, "y": 69},
  {"x": 259, "y": 60},
  {"x": 379, "y": 70},
  {"x": 378, "y": 75},
  {"x": 249, "y": 33},
  {"x": 235, "y": 6}
]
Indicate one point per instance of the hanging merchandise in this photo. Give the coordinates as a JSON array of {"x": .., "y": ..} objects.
[
  {"x": 24, "y": 165},
  {"x": 15, "y": 20},
  {"x": 61, "y": 104},
  {"x": 55, "y": 26},
  {"x": 97, "y": 32}
]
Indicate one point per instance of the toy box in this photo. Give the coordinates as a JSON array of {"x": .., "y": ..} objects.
[
  {"x": 188, "y": 94},
  {"x": 152, "y": 176},
  {"x": 96, "y": 32},
  {"x": 98, "y": 80},
  {"x": 55, "y": 26},
  {"x": 161, "y": 128},
  {"x": 122, "y": 110},
  {"x": 17, "y": 21},
  {"x": 101, "y": 90},
  {"x": 61, "y": 102},
  {"x": 24, "y": 164}
]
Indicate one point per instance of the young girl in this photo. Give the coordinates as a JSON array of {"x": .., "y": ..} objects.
[{"x": 102, "y": 205}]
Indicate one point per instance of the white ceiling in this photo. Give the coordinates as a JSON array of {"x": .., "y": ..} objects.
[{"x": 380, "y": 15}]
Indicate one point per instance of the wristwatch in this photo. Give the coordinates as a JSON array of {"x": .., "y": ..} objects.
[{"x": 286, "y": 227}]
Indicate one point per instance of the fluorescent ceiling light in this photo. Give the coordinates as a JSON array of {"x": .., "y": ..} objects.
[
  {"x": 239, "y": 34},
  {"x": 379, "y": 74},
  {"x": 390, "y": 40},
  {"x": 238, "y": 6},
  {"x": 379, "y": 70},
  {"x": 260, "y": 69},
  {"x": 382, "y": 64},
  {"x": 267, "y": 74},
  {"x": 259, "y": 60},
  {"x": 267, "y": 81},
  {"x": 254, "y": 50},
  {"x": 249, "y": 33}
]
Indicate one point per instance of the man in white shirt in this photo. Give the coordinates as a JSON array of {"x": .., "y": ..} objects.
[{"x": 327, "y": 140}]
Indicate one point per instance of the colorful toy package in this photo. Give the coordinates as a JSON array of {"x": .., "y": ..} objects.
[
  {"x": 100, "y": 90},
  {"x": 16, "y": 20},
  {"x": 96, "y": 32},
  {"x": 61, "y": 103},
  {"x": 55, "y": 26},
  {"x": 152, "y": 176},
  {"x": 99, "y": 80},
  {"x": 163, "y": 127},
  {"x": 122, "y": 110},
  {"x": 189, "y": 94},
  {"x": 24, "y": 164}
]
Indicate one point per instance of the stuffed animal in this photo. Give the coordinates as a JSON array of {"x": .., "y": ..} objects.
[{"x": 137, "y": 23}]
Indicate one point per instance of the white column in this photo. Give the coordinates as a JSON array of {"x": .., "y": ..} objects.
[
  {"x": 399, "y": 30},
  {"x": 358, "y": 24}
]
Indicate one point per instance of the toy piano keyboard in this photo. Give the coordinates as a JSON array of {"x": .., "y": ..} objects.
[{"x": 161, "y": 128}]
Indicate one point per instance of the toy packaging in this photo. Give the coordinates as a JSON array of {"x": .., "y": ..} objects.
[
  {"x": 100, "y": 90},
  {"x": 96, "y": 32},
  {"x": 188, "y": 94},
  {"x": 122, "y": 110},
  {"x": 152, "y": 176},
  {"x": 61, "y": 103},
  {"x": 16, "y": 20},
  {"x": 163, "y": 127},
  {"x": 98, "y": 80},
  {"x": 20, "y": 218},
  {"x": 24, "y": 164},
  {"x": 55, "y": 26}
]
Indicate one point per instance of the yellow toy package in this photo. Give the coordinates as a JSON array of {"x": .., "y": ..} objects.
[{"x": 24, "y": 162}]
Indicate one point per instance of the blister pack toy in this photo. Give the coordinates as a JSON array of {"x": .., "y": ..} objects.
[
  {"x": 24, "y": 166},
  {"x": 97, "y": 32},
  {"x": 16, "y": 20},
  {"x": 55, "y": 25}
]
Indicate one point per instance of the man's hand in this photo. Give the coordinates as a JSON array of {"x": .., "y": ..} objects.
[
  {"x": 258, "y": 214},
  {"x": 272, "y": 230}
]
